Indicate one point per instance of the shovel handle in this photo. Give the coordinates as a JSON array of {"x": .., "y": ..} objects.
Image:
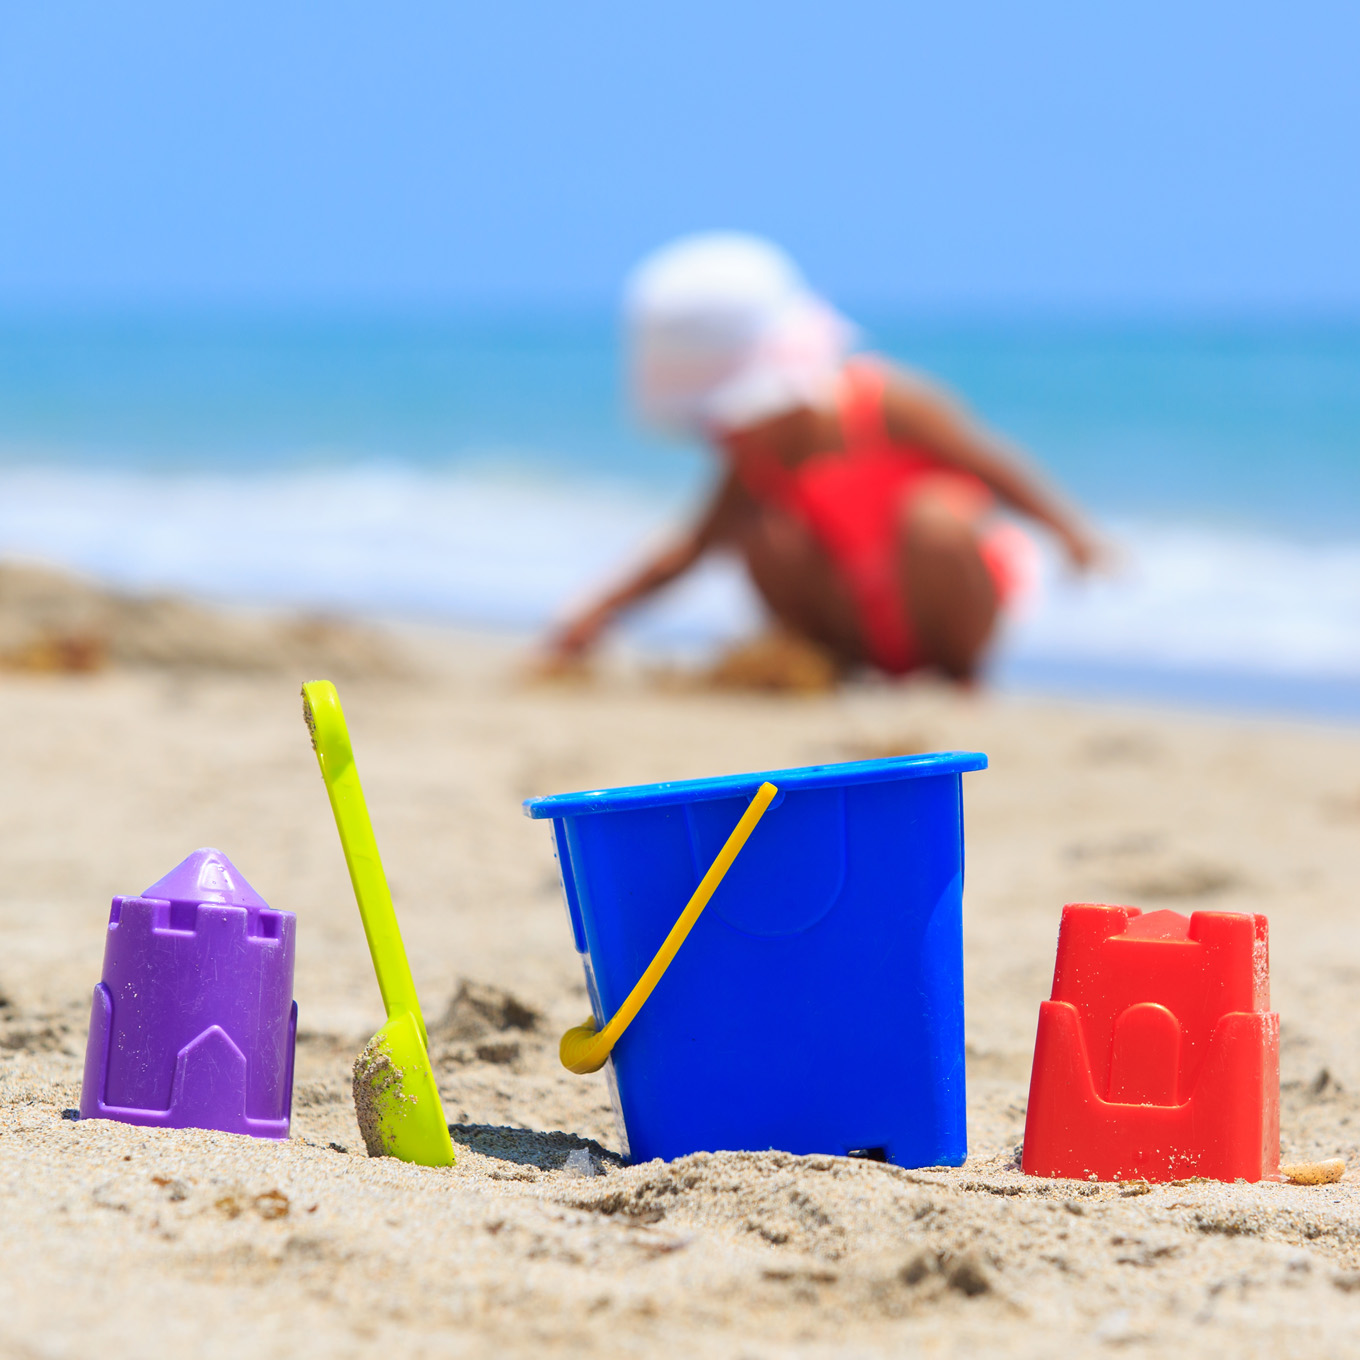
[{"x": 330, "y": 739}]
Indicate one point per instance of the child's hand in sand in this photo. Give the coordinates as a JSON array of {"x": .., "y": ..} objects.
[
  {"x": 551, "y": 668},
  {"x": 568, "y": 644},
  {"x": 565, "y": 652}
]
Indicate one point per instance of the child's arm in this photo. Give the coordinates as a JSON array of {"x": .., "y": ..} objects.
[
  {"x": 919, "y": 413},
  {"x": 580, "y": 633}
]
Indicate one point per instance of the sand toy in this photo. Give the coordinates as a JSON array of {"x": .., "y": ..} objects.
[
  {"x": 193, "y": 1024},
  {"x": 816, "y": 1003},
  {"x": 1158, "y": 1056},
  {"x": 395, "y": 1095}
]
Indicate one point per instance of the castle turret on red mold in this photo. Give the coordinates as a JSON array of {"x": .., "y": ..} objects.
[{"x": 1158, "y": 1055}]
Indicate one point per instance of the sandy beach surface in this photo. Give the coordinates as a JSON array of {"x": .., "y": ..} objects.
[{"x": 124, "y": 1242}]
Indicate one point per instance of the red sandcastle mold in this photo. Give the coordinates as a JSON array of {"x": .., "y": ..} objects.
[{"x": 1158, "y": 1055}]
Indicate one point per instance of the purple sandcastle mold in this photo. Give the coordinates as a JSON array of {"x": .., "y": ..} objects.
[{"x": 194, "y": 1023}]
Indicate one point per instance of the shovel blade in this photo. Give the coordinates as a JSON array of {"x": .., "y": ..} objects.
[{"x": 396, "y": 1100}]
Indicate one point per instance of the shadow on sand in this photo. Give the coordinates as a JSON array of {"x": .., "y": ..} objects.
[{"x": 548, "y": 1151}]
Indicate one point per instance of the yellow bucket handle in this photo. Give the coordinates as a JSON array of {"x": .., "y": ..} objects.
[{"x": 582, "y": 1048}]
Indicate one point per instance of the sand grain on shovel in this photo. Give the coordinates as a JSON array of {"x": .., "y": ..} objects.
[{"x": 377, "y": 1084}]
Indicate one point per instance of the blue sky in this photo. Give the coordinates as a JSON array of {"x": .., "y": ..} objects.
[{"x": 962, "y": 155}]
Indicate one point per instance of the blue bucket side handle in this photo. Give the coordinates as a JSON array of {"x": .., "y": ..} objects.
[
  {"x": 563, "y": 856},
  {"x": 586, "y": 1048}
]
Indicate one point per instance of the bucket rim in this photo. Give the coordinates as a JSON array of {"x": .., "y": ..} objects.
[{"x": 636, "y": 797}]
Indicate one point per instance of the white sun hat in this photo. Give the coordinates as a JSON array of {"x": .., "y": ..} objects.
[{"x": 724, "y": 332}]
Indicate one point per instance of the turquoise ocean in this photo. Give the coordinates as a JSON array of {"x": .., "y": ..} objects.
[{"x": 483, "y": 470}]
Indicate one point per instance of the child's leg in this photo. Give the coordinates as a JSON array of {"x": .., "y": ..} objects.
[
  {"x": 949, "y": 591},
  {"x": 801, "y": 588},
  {"x": 945, "y": 585}
]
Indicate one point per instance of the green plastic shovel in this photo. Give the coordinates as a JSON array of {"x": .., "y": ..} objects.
[{"x": 395, "y": 1096}]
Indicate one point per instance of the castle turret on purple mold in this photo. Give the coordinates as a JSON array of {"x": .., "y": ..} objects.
[{"x": 194, "y": 1023}]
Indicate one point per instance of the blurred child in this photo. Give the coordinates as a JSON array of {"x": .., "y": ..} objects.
[{"x": 859, "y": 496}]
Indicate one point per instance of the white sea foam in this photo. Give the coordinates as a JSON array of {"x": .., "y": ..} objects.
[
  {"x": 1192, "y": 598},
  {"x": 378, "y": 540},
  {"x": 474, "y": 549}
]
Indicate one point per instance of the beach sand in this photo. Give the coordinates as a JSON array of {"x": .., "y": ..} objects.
[{"x": 118, "y": 1241}]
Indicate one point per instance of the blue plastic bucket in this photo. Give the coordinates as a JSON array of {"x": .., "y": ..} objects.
[{"x": 817, "y": 1005}]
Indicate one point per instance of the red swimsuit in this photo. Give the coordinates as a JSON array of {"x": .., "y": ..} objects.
[{"x": 852, "y": 500}]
